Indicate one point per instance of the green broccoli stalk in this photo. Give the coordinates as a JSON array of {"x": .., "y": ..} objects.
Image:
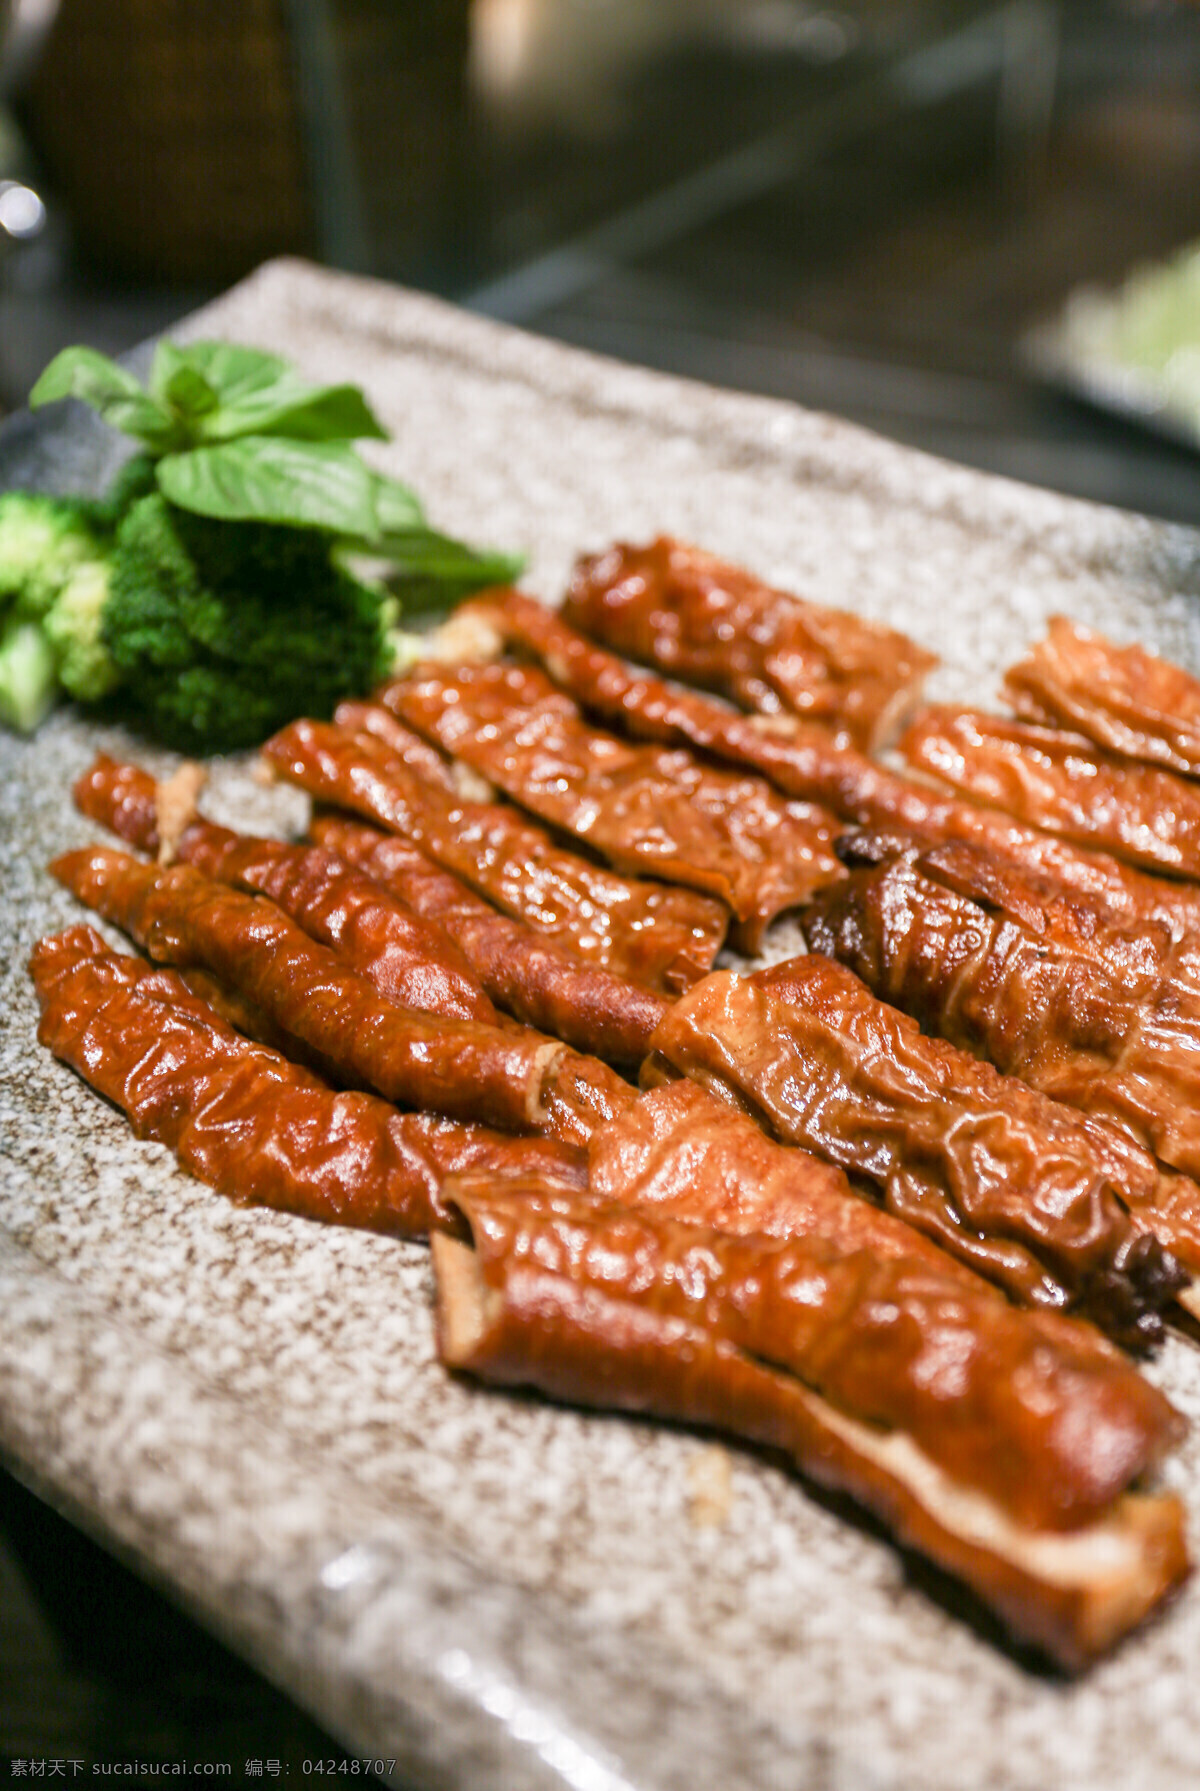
[
  {"x": 73, "y": 627},
  {"x": 224, "y": 631},
  {"x": 53, "y": 582},
  {"x": 42, "y": 541},
  {"x": 28, "y": 676}
]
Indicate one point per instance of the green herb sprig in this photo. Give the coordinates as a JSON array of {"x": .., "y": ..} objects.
[
  {"x": 245, "y": 567},
  {"x": 238, "y": 435}
]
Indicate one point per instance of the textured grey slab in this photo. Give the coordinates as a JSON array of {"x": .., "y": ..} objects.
[{"x": 497, "y": 1592}]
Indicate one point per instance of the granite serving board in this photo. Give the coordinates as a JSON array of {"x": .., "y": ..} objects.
[{"x": 490, "y": 1590}]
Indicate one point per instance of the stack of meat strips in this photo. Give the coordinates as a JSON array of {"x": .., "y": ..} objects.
[{"x": 891, "y": 1207}]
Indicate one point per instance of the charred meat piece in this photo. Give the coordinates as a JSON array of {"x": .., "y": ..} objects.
[
  {"x": 246, "y": 1120},
  {"x": 656, "y": 935},
  {"x": 514, "y": 1079},
  {"x": 536, "y": 980},
  {"x": 1000, "y": 1443},
  {"x": 1120, "y": 1042},
  {"x": 1064, "y": 783},
  {"x": 699, "y": 619},
  {"x": 1123, "y": 698},
  {"x": 997, "y": 1175},
  {"x": 642, "y": 808}
]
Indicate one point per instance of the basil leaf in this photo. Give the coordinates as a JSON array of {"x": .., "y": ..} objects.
[
  {"x": 431, "y": 570},
  {"x": 267, "y": 478},
  {"x": 86, "y": 374},
  {"x": 232, "y": 371},
  {"x": 397, "y": 509},
  {"x": 180, "y": 386},
  {"x": 293, "y": 408},
  {"x": 259, "y": 394}
]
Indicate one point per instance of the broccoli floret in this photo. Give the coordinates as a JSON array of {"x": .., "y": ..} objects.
[
  {"x": 72, "y": 626},
  {"x": 42, "y": 541},
  {"x": 223, "y": 631},
  {"x": 28, "y": 677}
]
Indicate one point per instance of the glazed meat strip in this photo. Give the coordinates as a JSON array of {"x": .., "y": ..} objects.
[
  {"x": 513, "y": 1079},
  {"x": 1146, "y": 955},
  {"x": 799, "y": 758},
  {"x": 683, "y": 1152},
  {"x": 1123, "y": 698},
  {"x": 712, "y": 624},
  {"x": 1064, "y": 783},
  {"x": 411, "y": 960},
  {"x": 536, "y": 980},
  {"x": 246, "y": 1120},
  {"x": 425, "y": 761},
  {"x": 539, "y": 983},
  {"x": 688, "y": 1154},
  {"x": 1037, "y": 1413},
  {"x": 1122, "y": 1044},
  {"x": 999, "y": 1176},
  {"x": 1161, "y": 1201},
  {"x": 803, "y": 761},
  {"x": 997, "y": 1442},
  {"x": 647, "y": 931},
  {"x": 641, "y": 808}
]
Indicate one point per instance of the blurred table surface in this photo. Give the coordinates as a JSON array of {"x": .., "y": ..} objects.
[{"x": 887, "y": 280}]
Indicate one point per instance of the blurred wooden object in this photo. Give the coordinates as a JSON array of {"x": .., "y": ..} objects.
[
  {"x": 171, "y": 129},
  {"x": 190, "y": 141}
]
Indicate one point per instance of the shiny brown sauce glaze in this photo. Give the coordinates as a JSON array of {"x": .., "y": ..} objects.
[
  {"x": 246, "y": 1120},
  {"x": 1064, "y": 783},
  {"x": 506, "y": 1318},
  {"x": 460, "y": 1068},
  {"x": 1119, "y": 1042},
  {"x": 535, "y": 979},
  {"x": 648, "y": 931},
  {"x": 1032, "y": 1409},
  {"x": 1123, "y": 698},
  {"x": 684, "y": 1152},
  {"x": 999, "y": 1177},
  {"x": 807, "y": 762},
  {"x": 700, "y": 619},
  {"x": 423, "y": 760},
  {"x": 642, "y": 808},
  {"x": 411, "y": 960}
]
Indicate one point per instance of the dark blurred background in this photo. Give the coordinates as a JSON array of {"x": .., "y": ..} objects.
[{"x": 864, "y": 206}]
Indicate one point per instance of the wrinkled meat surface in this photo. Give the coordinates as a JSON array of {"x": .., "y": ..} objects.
[
  {"x": 994, "y": 1395},
  {"x": 536, "y": 980},
  {"x": 709, "y": 623},
  {"x": 647, "y": 931},
  {"x": 461, "y": 1068},
  {"x": 974, "y": 1451},
  {"x": 806, "y": 762},
  {"x": 443, "y": 962},
  {"x": 642, "y": 808},
  {"x": 1121, "y": 697},
  {"x": 1064, "y": 783},
  {"x": 997, "y": 1175},
  {"x": 1119, "y": 1041},
  {"x": 246, "y": 1120}
]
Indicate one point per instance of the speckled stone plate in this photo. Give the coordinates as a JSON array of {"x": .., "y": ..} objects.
[{"x": 493, "y": 1591}]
